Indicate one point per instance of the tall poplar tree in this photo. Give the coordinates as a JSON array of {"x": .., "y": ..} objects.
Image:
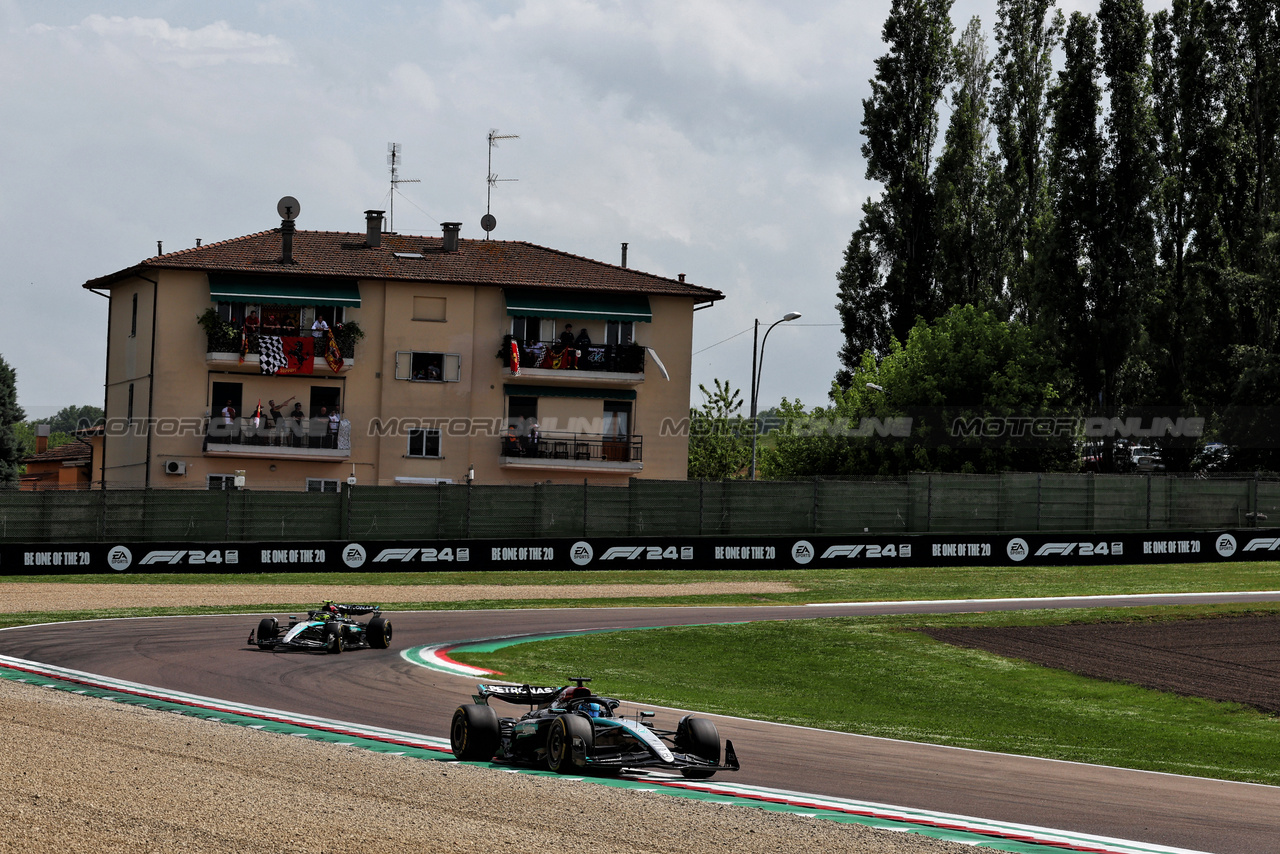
[
  {"x": 887, "y": 280},
  {"x": 1123, "y": 280},
  {"x": 1027, "y": 32},
  {"x": 1064, "y": 303},
  {"x": 965, "y": 228}
]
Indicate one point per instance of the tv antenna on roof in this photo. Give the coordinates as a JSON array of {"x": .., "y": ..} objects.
[
  {"x": 393, "y": 160},
  {"x": 488, "y": 222}
]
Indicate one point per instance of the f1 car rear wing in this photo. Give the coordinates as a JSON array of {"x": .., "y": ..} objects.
[
  {"x": 355, "y": 610},
  {"x": 525, "y": 695}
]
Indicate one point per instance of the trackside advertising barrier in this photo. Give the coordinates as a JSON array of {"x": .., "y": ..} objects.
[{"x": 603, "y": 553}]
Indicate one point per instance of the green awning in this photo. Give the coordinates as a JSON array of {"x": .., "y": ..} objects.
[
  {"x": 278, "y": 290},
  {"x": 625, "y": 307},
  {"x": 514, "y": 390}
]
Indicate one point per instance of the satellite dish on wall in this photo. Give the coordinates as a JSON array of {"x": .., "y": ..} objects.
[
  {"x": 288, "y": 208},
  {"x": 488, "y": 222}
]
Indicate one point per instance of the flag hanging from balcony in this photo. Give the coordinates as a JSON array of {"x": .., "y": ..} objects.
[
  {"x": 285, "y": 356},
  {"x": 515, "y": 359},
  {"x": 332, "y": 355},
  {"x": 244, "y": 343}
]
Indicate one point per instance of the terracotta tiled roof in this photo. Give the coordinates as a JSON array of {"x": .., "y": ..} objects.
[
  {"x": 344, "y": 255},
  {"x": 71, "y": 452}
]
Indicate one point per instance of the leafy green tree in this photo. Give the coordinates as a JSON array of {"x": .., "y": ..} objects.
[
  {"x": 1123, "y": 282},
  {"x": 966, "y": 365},
  {"x": 887, "y": 279},
  {"x": 963, "y": 181},
  {"x": 719, "y": 437},
  {"x": 1063, "y": 304},
  {"x": 10, "y": 415},
  {"x": 72, "y": 418},
  {"x": 1027, "y": 32}
]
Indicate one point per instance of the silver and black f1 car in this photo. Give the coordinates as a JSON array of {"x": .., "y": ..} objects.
[
  {"x": 330, "y": 628},
  {"x": 573, "y": 731}
]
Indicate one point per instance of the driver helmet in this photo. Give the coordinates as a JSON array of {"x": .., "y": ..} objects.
[
  {"x": 595, "y": 710},
  {"x": 331, "y": 608}
]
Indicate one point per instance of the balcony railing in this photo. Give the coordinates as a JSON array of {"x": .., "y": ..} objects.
[
  {"x": 600, "y": 358},
  {"x": 574, "y": 447},
  {"x": 288, "y": 437},
  {"x": 227, "y": 338}
]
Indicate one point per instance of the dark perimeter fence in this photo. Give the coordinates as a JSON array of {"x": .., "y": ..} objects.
[{"x": 922, "y": 503}]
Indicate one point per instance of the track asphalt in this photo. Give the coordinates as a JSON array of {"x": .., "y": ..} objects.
[{"x": 208, "y": 657}]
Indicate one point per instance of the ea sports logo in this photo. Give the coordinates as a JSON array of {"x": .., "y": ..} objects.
[
  {"x": 1017, "y": 549},
  {"x": 119, "y": 558},
  {"x": 581, "y": 553},
  {"x": 802, "y": 552},
  {"x": 354, "y": 555},
  {"x": 1226, "y": 545}
]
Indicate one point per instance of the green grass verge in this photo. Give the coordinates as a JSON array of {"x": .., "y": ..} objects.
[
  {"x": 842, "y": 585},
  {"x": 876, "y": 676}
]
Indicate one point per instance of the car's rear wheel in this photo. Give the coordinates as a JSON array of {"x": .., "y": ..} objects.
[
  {"x": 474, "y": 733},
  {"x": 333, "y": 641},
  {"x": 560, "y": 753},
  {"x": 699, "y": 737},
  {"x": 379, "y": 633},
  {"x": 268, "y": 628}
]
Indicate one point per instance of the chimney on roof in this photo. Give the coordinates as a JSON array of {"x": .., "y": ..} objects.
[
  {"x": 682, "y": 277},
  {"x": 451, "y": 230},
  {"x": 42, "y": 438},
  {"x": 373, "y": 229},
  {"x": 624, "y": 254},
  {"x": 159, "y": 247},
  {"x": 286, "y": 241}
]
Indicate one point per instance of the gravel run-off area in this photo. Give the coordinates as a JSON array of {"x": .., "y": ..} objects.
[{"x": 86, "y": 774}]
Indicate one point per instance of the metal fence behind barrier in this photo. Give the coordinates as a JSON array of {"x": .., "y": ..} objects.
[{"x": 921, "y": 503}]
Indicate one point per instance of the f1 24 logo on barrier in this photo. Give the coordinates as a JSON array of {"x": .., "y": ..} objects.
[
  {"x": 648, "y": 553},
  {"x": 446, "y": 555},
  {"x": 868, "y": 551},
  {"x": 1262, "y": 544},
  {"x": 191, "y": 557},
  {"x": 1084, "y": 549}
]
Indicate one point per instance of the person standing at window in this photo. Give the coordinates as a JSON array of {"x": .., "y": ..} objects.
[{"x": 319, "y": 329}]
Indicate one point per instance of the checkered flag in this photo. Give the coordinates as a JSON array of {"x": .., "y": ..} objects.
[{"x": 271, "y": 354}]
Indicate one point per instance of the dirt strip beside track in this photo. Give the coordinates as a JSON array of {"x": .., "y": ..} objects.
[{"x": 51, "y": 596}]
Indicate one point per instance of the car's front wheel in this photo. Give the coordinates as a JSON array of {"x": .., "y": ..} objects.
[
  {"x": 333, "y": 642},
  {"x": 698, "y": 737},
  {"x": 475, "y": 733},
  {"x": 379, "y": 633},
  {"x": 561, "y": 757},
  {"x": 268, "y": 628}
]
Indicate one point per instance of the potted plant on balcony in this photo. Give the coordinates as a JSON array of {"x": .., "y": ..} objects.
[{"x": 223, "y": 337}]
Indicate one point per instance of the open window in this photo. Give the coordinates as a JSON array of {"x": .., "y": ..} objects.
[{"x": 426, "y": 366}]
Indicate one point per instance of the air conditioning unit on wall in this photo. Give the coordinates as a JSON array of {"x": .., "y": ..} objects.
[{"x": 175, "y": 467}]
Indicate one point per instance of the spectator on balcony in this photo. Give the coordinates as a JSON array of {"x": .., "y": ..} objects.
[
  {"x": 511, "y": 443},
  {"x": 298, "y": 416},
  {"x": 529, "y": 442},
  {"x": 583, "y": 341},
  {"x": 335, "y": 418},
  {"x": 319, "y": 329},
  {"x": 566, "y": 337}
]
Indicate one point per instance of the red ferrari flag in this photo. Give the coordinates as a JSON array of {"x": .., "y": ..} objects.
[
  {"x": 332, "y": 355},
  {"x": 515, "y": 359}
]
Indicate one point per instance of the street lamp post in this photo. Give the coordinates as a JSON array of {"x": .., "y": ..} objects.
[{"x": 755, "y": 378}]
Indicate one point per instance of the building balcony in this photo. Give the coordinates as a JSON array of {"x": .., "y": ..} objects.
[
  {"x": 309, "y": 439},
  {"x": 586, "y": 452},
  {"x": 609, "y": 364},
  {"x": 299, "y": 352}
]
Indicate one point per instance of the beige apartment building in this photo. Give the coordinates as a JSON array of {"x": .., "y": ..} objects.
[{"x": 392, "y": 359}]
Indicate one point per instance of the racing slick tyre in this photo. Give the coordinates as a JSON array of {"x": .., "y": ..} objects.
[
  {"x": 560, "y": 754},
  {"x": 379, "y": 633},
  {"x": 699, "y": 737},
  {"x": 333, "y": 641},
  {"x": 474, "y": 733},
  {"x": 268, "y": 628}
]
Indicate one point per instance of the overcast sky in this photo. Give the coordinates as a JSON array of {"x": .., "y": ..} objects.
[{"x": 718, "y": 139}]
